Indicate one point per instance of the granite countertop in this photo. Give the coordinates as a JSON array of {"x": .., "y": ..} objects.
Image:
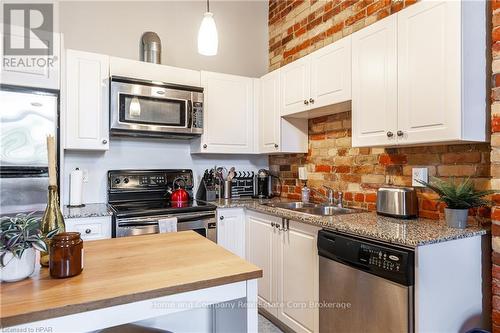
[
  {"x": 89, "y": 210},
  {"x": 409, "y": 233}
]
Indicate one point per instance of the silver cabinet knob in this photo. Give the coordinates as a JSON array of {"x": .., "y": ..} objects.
[
  {"x": 311, "y": 100},
  {"x": 88, "y": 231},
  {"x": 390, "y": 134},
  {"x": 221, "y": 218},
  {"x": 272, "y": 224},
  {"x": 306, "y": 102},
  {"x": 205, "y": 146},
  {"x": 276, "y": 145},
  {"x": 400, "y": 133},
  {"x": 104, "y": 141}
]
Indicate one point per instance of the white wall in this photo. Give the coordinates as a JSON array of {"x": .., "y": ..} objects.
[
  {"x": 133, "y": 153},
  {"x": 115, "y": 28}
]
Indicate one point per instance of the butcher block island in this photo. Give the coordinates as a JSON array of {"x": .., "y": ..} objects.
[{"x": 152, "y": 280}]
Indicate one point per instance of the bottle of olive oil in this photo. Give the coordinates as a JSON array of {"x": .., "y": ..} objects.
[{"x": 52, "y": 218}]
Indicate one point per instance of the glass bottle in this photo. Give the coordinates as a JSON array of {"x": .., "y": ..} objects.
[{"x": 52, "y": 219}]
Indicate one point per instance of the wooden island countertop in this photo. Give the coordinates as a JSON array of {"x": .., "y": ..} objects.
[{"x": 123, "y": 270}]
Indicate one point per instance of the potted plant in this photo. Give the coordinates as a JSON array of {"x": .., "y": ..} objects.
[
  {"x": 20, "y": 236},
  {"x": 459, "y": 197}
]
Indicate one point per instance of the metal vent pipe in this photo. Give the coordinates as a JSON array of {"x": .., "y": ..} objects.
[{"x": 151, "y": 47}]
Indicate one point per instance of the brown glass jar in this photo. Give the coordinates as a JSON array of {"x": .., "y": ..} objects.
[{"x": 66, "y": 255}]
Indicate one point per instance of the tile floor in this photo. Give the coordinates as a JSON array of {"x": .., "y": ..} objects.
[{"x": 265, "y": 326}]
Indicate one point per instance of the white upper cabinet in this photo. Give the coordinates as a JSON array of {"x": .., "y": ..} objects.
[
  {"x": 331, "y": 74},
  {"x": 441, "y": 77},
  {"x": 295, "y": 86},
  {"x": 86, "y": 102},
  {"x": 440, "y": 99},
  {"x": 320, "y": 79},
  {"x": 269, "y": 113},
  {"x": 229, "y": 114},
  {"x": 46, "y": 76},
  {"x": 374, "y": 84},
  {"x": 153, "y": 72}
]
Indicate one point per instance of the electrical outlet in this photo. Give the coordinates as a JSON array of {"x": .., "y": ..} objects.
[
  {"x": 85, "y": 177},
  {"x": 421, "y": 174}
]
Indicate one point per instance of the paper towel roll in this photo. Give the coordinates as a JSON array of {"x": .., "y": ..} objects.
[{"x": 76, "y": 187}]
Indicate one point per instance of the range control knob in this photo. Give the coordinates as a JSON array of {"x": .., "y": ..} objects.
[
  {"x": 125, "y": 180},
  {"x": 117, "y": 181}
]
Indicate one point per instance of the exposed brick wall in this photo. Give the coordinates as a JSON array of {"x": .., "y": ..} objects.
[
  {"x": 495, "y": 162},
  {"x": 298, "y": 27},
  {"x": 359, "y": 172}
]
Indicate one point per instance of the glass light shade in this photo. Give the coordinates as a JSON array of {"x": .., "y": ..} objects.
[
  {"x": 135, "y": 107},
  {"x": 208, "y": 40}
]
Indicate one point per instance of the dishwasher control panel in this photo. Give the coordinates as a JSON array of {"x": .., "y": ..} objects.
[{"x": 381, "y": 258}]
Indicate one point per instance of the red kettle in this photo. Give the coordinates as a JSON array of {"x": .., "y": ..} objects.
[{"x": 180, "y": 194}]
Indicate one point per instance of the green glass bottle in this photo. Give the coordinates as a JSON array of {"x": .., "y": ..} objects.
[{"x": 52, "y": 219}]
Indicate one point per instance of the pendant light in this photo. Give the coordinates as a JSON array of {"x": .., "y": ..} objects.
[{"x": 208, "y": 40}]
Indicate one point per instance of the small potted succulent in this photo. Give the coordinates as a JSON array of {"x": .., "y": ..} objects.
[
  {"x": 459, "y": 197},
  {"x": 20, "y": 236}
]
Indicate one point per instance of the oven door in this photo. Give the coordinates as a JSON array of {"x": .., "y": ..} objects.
[
  {"x": 146, "y": 110},
  {"x": 203, "y": 223}
]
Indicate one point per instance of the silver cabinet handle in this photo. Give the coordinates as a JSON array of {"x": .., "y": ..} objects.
[
  {"x": 276, "y": 145},
  {"x": 272, "y": 224},
  {"x": 221, "y": 218},
  {"x": 400, "y": 133},
  {"x": 88, "y": 231},
  {"x": 306, "y": 102},
  {"x": 390, "y": 134},
  {"x": 311, "y": 100},
  {"x": 104, "y": 141},
  {"x": 205, "y": 146}
]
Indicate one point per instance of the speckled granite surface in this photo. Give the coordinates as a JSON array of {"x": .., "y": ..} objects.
[
  {"x": 410, "y": 233},
  {"x": 89, "y": 210}
]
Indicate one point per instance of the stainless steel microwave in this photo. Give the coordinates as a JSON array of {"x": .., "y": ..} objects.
[{"x": 155, "y": 109}]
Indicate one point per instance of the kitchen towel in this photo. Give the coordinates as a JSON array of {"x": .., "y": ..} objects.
[
  {"x": 76, "y": 188},
  {"x": 168, "y": 224}
]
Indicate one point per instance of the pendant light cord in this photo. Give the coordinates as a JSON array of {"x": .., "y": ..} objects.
[{"x": 208, "y": 6}]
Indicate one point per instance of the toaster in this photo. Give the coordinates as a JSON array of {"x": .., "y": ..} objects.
[{"x": 400, "y": 202}]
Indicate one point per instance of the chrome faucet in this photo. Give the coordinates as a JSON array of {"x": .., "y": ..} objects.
[{"x": 330, "y": 197}]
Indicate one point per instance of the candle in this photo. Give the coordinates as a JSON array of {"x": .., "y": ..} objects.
[{"x": 51, "y": 153}]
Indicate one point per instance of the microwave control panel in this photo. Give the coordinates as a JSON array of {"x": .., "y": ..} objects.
[{"x": 198, "y": 115}]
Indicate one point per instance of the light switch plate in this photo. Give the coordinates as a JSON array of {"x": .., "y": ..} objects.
[{"x": 421, "y": 174}]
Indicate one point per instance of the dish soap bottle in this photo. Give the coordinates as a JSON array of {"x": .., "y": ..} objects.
[{"x": 305, "y": 194}]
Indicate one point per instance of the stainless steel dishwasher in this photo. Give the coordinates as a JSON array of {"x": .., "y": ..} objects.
[{"x": 364, "y": 286}]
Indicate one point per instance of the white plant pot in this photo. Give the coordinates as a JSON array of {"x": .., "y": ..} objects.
[
  {"x": 456, "y": 218},
  {"x": 18, "y": 268}
]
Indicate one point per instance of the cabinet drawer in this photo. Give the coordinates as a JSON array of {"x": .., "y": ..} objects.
[{"x": 90, "y": 228}]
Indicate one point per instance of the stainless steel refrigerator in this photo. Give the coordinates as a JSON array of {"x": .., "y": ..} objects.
[{"x": 27, "y": 116}]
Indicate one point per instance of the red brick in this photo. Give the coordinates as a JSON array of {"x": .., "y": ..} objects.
[
  {"x": 469, "y": 157},
  {"x": 495, "y": 124},
  {"x": 429, "y": 205},
  {"x": 370, "y": 197},
  {"x": 342, "y": 169},
  {"x": 376, "y": 6},
  {"x": 323, "y": 168},
  {"x": 429, "y": 214},
  {"x": 348, "y": 196},
  {"x": 359, "y": 197},
  {"x": 336, "y": 28},
  {"x": 355, "y": 18},
  {"x": 386, "y": 159}
]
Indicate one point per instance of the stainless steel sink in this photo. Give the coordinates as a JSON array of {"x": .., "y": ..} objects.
[
  {"x": 291, "y": 205},
  {"x": 326, "y": 210},
  {"x": 310, "y": 208}
]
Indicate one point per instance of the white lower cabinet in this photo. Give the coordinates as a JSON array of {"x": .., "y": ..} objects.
[
  {"x": 287, "y": 254},
  {"x": 90, "y": 228},
  {"x": 231, "y": 230}
]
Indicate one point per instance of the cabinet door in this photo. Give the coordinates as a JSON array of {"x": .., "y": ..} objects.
[
  {"x": 298, "y": 276},
  {"x": 269, "y": 113},
  {"x": 87, "y": 101},
  {"x": 331, "y": 74},
  {"x": 45, "y": 72},
  {"x": 295, "y": 86},
  {"x": 429, "y": 72},
  {"x": 229, "y": 113},
  {"x": 90, "y": 228},
  {"x": 261, "y": 246},
  {"x": 374, "y": 84},
  {"x": 231, "y": 230}
]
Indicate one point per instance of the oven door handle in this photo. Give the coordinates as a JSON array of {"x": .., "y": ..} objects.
[{"x": 153, "y": 220}]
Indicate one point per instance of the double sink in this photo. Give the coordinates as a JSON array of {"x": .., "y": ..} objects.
[{"x": 311, "y": 208}]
